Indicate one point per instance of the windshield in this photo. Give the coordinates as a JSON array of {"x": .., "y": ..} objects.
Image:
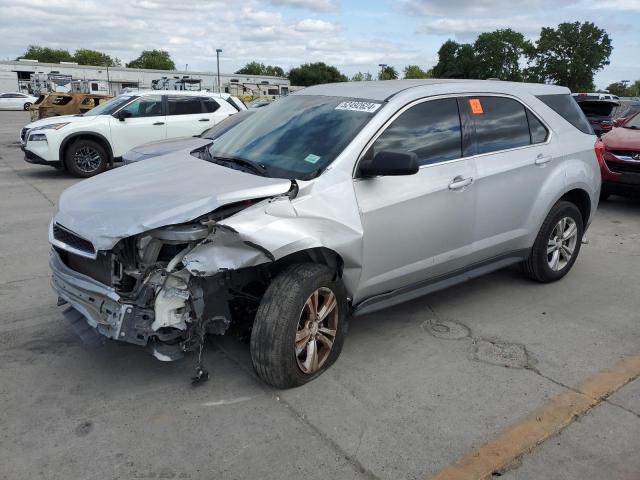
[
  {"x": 297, "y": 136},
  {"x": 111, "y": 106},
  {"x": 597, "y": 108},
  {"x": 225, "y": 125},
  {"x": 633, "y": 122}
]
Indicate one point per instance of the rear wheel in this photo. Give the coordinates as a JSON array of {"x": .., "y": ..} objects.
[
  {"x": 85, "y": 158},
  {"x": 298, "y": 331},
  {"x": 27, "y": 106},
  {"x": 557, "y": 244}
]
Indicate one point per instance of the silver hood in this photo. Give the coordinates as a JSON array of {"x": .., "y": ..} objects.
[
  {"x": 165, "y": 190},
  {"x": 162, "y": 147}
]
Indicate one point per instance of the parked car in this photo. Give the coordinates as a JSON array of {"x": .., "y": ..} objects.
[
  {"x": 16, "y": 101},
  {"x": 85, "y": 144},
  {"x": 162, "y": 147},
  {"x": 628, "y": 108},
  {"x": 58, "y": 104},
  {"x": 601, "y": 113},
  {"x": 595, "y": 96},
  {"x": 338, "y": 200},
  {"x": 259, "y": 103},
  {"x": 621, "y": 153}
]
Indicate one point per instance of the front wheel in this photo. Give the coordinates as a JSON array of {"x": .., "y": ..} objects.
[
  {"x": 557, "y": 244},
  {"x": 27, "y": 106},
  {"x": 299, "y": 327},
  {"x": 85, "y": 158}
]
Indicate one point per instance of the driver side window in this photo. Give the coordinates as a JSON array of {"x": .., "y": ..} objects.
[
  {"x": 147, "y": 106},
  {"x": 429, "y": 129}
]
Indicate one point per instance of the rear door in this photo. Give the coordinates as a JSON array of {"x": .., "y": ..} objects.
[
  {"x": 146, "y": 124},
  {"x": 515, "y": 155},
  {"x": 418, "y": 226},
  {"x": 189, "y": 115}
]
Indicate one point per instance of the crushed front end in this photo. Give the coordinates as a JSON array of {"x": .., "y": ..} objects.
[{"x": 139, "y": 291}]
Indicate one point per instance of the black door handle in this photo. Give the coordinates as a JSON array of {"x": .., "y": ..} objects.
[
  {"x": 203, "y": 120},
  {"x": 158, "y": 123}
]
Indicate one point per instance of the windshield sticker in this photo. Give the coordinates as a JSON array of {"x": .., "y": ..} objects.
[
  {"x": 311, "y": 158},
  {"x": 368, "y": 107},
  {"x": 476, "y": 106}
]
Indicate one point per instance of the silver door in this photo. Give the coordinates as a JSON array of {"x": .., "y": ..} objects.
[
  {"x": 417, "y": 226},
  {"x": 516, "y": 155}
]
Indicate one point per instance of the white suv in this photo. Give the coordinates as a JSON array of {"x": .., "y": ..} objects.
[{"x": 86, "y": 144}]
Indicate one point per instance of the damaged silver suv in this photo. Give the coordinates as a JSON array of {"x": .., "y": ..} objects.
[{"x": 338, "y": 200}]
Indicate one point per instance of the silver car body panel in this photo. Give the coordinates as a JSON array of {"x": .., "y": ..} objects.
[
  {"x": 389, "y": 232},
  {"x": 162, "y": 147},
  {"x": 158, "y": 192}
]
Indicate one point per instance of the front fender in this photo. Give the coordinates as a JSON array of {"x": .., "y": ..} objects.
[{"x": 278, "y": 227}]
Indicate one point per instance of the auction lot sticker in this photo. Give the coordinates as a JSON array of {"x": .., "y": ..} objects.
[
  {"x": 476, "y": 106},
  {"x": 368, "y": 107}
]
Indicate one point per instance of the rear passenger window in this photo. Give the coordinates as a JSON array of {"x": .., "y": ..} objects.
[
  {"x": 430, "y": 129},
  {"x": 565, "y": 106},
  {"x": 210, "y": 105},
  {"x": 501, "y": 123},
  {"x": 184, "y": 105},
  {"x": 538, "y": 130}
]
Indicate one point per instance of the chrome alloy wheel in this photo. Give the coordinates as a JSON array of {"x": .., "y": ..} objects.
[
  {"x": 562, "y": 243},
  {"x": 317, "y": 329},
  {"x": 87, "y": 159}
]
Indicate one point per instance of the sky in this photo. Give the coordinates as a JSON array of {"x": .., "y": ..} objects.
[{"x": 353, "y": 35}]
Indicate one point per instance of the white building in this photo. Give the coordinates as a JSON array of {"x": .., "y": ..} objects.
[{"x": 15, "y": 75}]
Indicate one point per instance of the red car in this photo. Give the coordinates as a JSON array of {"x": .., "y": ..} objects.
[{"x": 620, "y": 159}]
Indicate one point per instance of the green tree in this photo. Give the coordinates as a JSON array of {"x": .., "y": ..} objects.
[
  {"x": 84, "y": 56},
  {"x": 456, "y": 60},
  {"x": 414, "y": 71},
  {"x": 619, "y": 89},
  {"x": 315, "y": 74},
  {"x": 388, "y": 73},
  {"x": 256, "y": 68},
  {"x": 47, "y": 55},
  {"x": 362, "y": 77},
  {"x": 498, "y": 54},
  {"x": 274, "y": 71},
  {"x": 634, "y": 89},
  {"x": 154, "y": 59},
  {"x": 570, "y": 55}
]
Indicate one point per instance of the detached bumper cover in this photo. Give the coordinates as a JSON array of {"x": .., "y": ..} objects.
[{"x": 100, "y": 305}]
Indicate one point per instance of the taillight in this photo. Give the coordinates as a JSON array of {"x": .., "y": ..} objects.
[{"x": 600, "y": 149}]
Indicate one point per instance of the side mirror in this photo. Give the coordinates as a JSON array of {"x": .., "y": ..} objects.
[
  {"x": 123, "y": 114},
  {"x": 389, "y": 162}
]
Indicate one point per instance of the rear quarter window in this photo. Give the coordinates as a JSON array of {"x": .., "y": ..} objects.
[{"x": 565, "y": 106}]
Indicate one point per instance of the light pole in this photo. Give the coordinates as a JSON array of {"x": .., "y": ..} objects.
[
  {"x": 218, "y": 52},
  {"x": 382, "y": 67}
]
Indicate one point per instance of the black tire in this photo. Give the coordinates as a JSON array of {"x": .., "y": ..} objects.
[
  {"x": 537, "y": 265},
  {"x": 273, "y": 336},
  {"x": 27, "y": 106},
  {"x": 85, "y": 168}
]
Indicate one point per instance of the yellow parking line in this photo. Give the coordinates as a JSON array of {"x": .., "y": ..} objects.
[{"x": 554, "y": 415}]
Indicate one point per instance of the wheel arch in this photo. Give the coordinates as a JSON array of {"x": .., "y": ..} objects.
[
  {"x": 320, "y": 255},
  {"x": 581, "y": 199},
  {"x": 88, "y": 136}
]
